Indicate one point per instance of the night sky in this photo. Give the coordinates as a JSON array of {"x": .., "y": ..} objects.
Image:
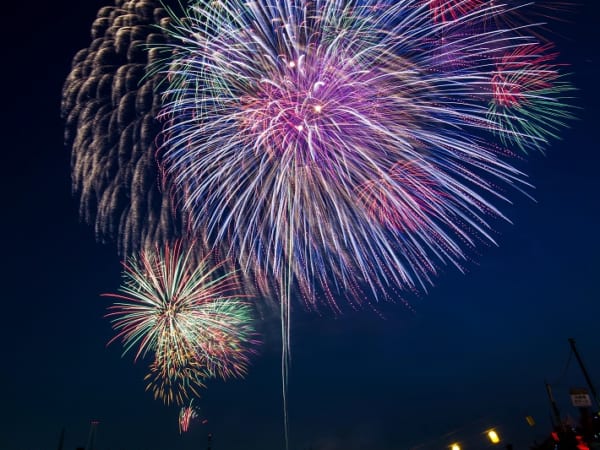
[{"x": 474, "y": 355}]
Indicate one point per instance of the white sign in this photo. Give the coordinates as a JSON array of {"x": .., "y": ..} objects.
[{"x": 581, "y": 400}]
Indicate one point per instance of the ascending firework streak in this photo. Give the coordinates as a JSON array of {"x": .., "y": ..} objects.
[
  {"x": 188, "y": 315},
  {"x": 340, "y": 144},
  {"x": 186, "y": 414}
]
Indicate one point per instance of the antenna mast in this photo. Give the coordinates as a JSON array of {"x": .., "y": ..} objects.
[
  {"x": 585, "y": 373},
  {"x": 91, "y": 443}
]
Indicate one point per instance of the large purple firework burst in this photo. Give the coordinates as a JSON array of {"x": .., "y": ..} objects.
[
  {"x": 283, "y": 118},
  {"x": 344, "y": 146}
]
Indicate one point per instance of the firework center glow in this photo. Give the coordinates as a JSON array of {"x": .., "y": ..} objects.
[{"x": 295, "y": 108}]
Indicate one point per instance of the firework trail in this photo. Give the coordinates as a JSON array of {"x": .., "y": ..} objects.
[
  {"x": 341, "y": 145},
  {"x": 188, "y": 315},
  {"x": 519, "y": 15},
  {"x": 448, "y": 10},
  {"x": 186, "y": 415}
]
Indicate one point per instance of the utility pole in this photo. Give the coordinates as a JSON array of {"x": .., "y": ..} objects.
[
  {"x": 61, "y": 439},
  {"x": 91, "y": 443},
  {"x": 555, "y": 412},
  {"x": 584, "y": 371}
]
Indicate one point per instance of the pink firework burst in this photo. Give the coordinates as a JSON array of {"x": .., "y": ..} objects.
[
  {"x": 525, "y": 69},
  {"x": 447, "y": 10},
  {"x": 527, "y": 92},
  {"x": 416, "y": 197}
]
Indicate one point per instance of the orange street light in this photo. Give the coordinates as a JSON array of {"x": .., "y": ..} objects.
[{"x": 493, "y": 437}]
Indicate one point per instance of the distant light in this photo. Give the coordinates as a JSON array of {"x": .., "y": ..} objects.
[
  {"x": 455, "y": 447},
  {"x": 530, "y": 421},
  {"x": 493, "y": 437},
  {"x": 292, "y": 64},
  {"x": 318, "y": 108}
]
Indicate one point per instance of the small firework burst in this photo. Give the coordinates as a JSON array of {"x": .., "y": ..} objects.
[
  {"x": 528, "y": 92},
  {"x": 186, "y": 415},
  {"x": 187, "y": 313}
]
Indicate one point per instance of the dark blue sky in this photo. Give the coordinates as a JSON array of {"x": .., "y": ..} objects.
[{"x": 475, "y": 355}]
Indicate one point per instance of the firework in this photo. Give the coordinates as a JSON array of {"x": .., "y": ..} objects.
[
  {"x": 110, "y": 102},
  {"x": 531, "y": 17},
  {"x": 186, "y": 415},
  {"x": 187, "y": 315},
  {"x": 528, "y": 92},
  {"x": 406, "y": 211},
  {"x": 335, "y": 146},
  {"x": 447, "y": 10},
  {"x": 289, "y": 125}
]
